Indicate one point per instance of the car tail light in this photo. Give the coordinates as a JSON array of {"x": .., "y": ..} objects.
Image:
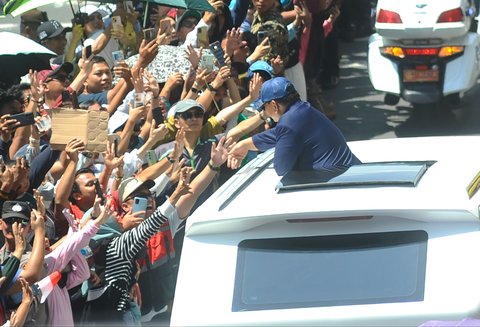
[
  {"x": 451, "y": 16},
  {"x": 450, "y": 51},
  {"x": 393, "y": 51},
  {"x": 421, "y": 51},
  {"x": 389, "y": 17}
]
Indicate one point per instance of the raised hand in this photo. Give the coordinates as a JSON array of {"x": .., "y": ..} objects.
[
  {"x": 73, "y": 148},
  {"x": 193, "y": 56},
  {"x": 234, "y": 41},
  {"x": 218, "y": 153},
  {"x": 255, "y": 85}
]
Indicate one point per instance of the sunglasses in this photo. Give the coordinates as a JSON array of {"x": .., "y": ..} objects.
[
  {"x": 60, "y": 78},
  {"x": 192, "y": 114},
  {"x": 12, "y": 220},
  {"x": 188, "y": 23}
]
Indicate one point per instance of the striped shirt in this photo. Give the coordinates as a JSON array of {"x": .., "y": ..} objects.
[{"x": 120, "y": 264}]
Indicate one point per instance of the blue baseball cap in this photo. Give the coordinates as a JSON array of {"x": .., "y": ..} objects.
[
  {"x": 260, "y": 66},
  {"x": 273, "y": 89}
]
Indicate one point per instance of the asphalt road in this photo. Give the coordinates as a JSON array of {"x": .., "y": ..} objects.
[{"x": 361, "y": 113}]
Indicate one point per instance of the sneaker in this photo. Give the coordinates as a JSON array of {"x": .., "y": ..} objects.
[{"x": 149, "y": 316}]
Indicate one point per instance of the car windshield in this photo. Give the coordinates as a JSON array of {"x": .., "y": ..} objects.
[{"x": 330, "y": 270}]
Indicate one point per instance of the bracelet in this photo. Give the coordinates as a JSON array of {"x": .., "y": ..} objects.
[
  {"x": 118, "y": 177},
  {"x": 92, "y": 216},
  {"x": 212, "y": 167},
  {"x": 170, "y": 159},
  {"x": 195, "y": 90},
  {"x": 34, "y": 141}
]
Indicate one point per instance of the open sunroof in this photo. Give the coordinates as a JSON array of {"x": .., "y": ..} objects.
[{"x": 404, "y": 173}]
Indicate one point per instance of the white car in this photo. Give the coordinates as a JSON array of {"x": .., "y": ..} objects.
[{"x": 394, "y": 241}]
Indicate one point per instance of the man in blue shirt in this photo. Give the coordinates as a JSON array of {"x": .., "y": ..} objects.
[{"x": 304, "y": 138}]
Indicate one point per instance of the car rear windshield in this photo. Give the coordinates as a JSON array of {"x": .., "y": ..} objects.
[{"x": 331, "y": 270}]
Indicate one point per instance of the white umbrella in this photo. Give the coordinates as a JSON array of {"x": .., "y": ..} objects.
[{"x": 19, "y": 54}]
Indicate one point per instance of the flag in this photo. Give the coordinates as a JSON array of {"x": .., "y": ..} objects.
[{"x": 46, "y": 285}]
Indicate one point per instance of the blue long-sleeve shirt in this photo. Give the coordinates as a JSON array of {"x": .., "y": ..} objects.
[{"x": 305, "y": 139}]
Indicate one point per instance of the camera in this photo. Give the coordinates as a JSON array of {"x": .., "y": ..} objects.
[{"x": 80, "y": 18}]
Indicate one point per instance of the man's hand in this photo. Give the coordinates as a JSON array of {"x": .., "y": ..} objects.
[
  {"x": 37, "y": 221},
  {"x": 255, "y": 85},
  {"x": 137, "y": 79},
  {"x": 218, "y": 153},
  {"x": 73, "y": 148},
  {"x": 222, "y": 75},
  {"x": 173, "y": 81},
  {"x": 20, "y": 242},
  {"x": 122, "y": 70},
  {"x": 135, "y": 114},
  {"x": 152, "y": 85},
  {"x": 233, "y": 41},
  {"x": 277, "y": 65},
  {"x": 132, "y": 220},
  {"x": 261, "y": 50},
  {"x": 236, "y": 155},
  {"x": 147, "y": 52},
  {"x": 6, "y": 180},
  {"x": 193, "y": 56},
  {"x": 157, "y": 134},
  {"x": 112, "y": 162},
  {"x": 7, "y": 127}
]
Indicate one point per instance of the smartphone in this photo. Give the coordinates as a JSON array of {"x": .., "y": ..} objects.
[
  {"x": 117, "y": 23},
  {"x": 25, "y": 118},
  {"x": 261, "y": 35},
  {"x": 44, "y": 124},
  {"x": 88, "y": 51},
  {"x": 115, "y": 139},
  {"x": 217, "y": 51},
  {"x": 118, "y": 56},
  {"x": 128, "y": 6},
  {"x": 151, "y": 157},
  {"x": 139, "y": 204},
  {"x": 67, "y": 99},
  {"x": 165, "y": 26},
  {"x": 206, "y": 61},
  {"x": 149, "y": 34},
  {"x": 158, "y": 116},
  {"x": 139, "y": 100},
  {"x": 98, "y": 190},
  {"x": 202, "y": 37}
]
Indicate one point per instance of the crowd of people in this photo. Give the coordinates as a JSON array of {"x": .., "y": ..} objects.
[{"x": 112, "y": 223}]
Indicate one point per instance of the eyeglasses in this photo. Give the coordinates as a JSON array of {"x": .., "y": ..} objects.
[
  {"x": 12, "y": 220},
  {"x": 60, "y": 78},
  {"x": 192, "y": 114}
]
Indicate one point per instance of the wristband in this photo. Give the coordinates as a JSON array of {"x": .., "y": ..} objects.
[
  {"x": 212, "y": 167},
  {"x": 195, "y": 90}
]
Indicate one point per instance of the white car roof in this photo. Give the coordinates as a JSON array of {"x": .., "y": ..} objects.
[{"x": 241, "y": 203}]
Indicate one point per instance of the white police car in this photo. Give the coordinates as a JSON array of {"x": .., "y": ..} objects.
[{"x": 394, "y": 241}]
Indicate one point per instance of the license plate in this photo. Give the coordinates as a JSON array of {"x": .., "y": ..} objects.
[{"x": 412, "y": 75}]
